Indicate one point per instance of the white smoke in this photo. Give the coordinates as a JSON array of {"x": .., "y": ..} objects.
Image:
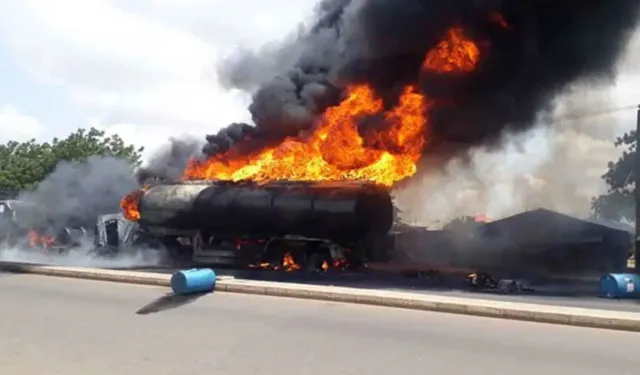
[
  {"x": 84, "y": 256},
  {"x": 77, "y": 192},
  {"x": 556, "y": 165},
  {"x": 74, "y": 195}
]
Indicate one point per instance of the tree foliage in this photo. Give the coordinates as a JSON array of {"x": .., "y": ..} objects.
[
  {"x": 397, "y": 215},
  {"x": 25, "y": 164},
  {"x": 618, "y": 203}
]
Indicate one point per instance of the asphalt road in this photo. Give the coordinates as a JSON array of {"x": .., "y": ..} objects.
[{"x": 62, "y": 326}]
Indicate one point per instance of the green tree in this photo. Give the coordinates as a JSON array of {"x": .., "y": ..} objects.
[
  {"x": 397, "y": 215},
  {"x": 25, "y": 164},
  {"x": 618, "y": 203}
]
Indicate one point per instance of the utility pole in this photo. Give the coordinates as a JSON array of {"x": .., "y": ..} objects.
[{"x": 636, "y": 194}]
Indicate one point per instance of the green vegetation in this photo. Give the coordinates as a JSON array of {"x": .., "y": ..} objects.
[
  {"x": 618, "y": 202},
  {"x": 25, "y": 164}
]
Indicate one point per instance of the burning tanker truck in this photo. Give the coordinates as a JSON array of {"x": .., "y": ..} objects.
[
  {"x": 278, "y": 225},
  {"x": 375, "y": 91}
]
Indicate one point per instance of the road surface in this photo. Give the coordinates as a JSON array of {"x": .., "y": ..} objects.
[{"x": 63, "y": 326}]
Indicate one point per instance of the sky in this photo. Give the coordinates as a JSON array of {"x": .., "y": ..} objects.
[{"x": 144, "y": 69}]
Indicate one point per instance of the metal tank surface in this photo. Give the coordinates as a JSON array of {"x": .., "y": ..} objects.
[{"x": 340, "y": 211}]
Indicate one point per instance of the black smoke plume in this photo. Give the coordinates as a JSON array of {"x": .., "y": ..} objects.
[
  {"x": 530, "y": 51},
  {"x": 169, "y": 162}
]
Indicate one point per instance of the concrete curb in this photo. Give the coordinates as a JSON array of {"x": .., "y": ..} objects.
[
  {"x": 616, "y": 320},
  {"x": 140, "y": 278}
]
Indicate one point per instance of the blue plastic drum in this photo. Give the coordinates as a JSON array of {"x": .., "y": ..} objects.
[
  {"x": 197, "y": 280},
  {"x": 620, "y": 285}
]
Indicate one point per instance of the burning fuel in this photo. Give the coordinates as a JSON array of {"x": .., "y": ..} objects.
[
  {"x": 454, "y": 54},
  {"x": 129, "y": 204},
  {"x": 287, "y": 264},
  {"x": 446, "y": 75},
  {"x": 38, "y": 241},
  {"x": 375, "y": 86},
  {"x": 374, "y": 89},
  {"x": 336, "y": 149}
]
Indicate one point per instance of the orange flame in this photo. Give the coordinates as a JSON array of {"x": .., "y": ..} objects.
[
  {"x": 336, "y": 150},
  {"x": 454, "y": 54},
  {"x": 263, "y": 265},
  {"x": 38, "y": 241},
  {"x": 325, "y": 266},
  {"x": 129, "y": 204},
  {"x": 289, "y": 264},
  {"x": 482, "y": 218}
]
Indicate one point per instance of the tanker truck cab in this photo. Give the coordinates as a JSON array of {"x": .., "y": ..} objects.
[{"x": 113, "y": 233}]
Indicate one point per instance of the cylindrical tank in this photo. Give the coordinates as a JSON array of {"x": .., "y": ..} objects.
[
  {"x": 620, "y": 285},
  {"x": 193, "y": 281},
  {"x": 328, "y": 210}
]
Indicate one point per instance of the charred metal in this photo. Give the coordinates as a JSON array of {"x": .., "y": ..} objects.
[{"x": 246, "y": 222}]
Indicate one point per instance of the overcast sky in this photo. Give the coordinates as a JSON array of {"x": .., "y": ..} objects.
[{"x": 142, "y": 68}]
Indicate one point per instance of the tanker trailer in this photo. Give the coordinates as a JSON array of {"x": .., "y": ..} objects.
[{"x": 239, "y": 221}]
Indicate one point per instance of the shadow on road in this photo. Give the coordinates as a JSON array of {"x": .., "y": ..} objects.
[{"x": 169, "y": 301}]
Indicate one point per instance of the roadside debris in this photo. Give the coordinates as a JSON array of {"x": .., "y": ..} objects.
[{"x": 483, "y": 281}]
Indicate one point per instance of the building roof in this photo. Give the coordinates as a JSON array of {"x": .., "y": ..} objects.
[{"x": 546, "y": 225}]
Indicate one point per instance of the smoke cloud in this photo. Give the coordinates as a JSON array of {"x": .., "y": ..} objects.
[
  {"x": 168, "y": 162},
  {"x": 555, "y": 166},
  {"x": 84, "y": 257},
  {"x": 76, "y": 193},
  {"x": 529, "y": 56},
  {"x": 495, "y": 145}
]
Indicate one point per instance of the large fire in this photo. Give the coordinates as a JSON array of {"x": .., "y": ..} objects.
[
  {"x": 454, "y": 54},
  {"x": 129, "y": 204},
  {"x": 339, "y": 147},
  {"x": 336, "y": 149}
]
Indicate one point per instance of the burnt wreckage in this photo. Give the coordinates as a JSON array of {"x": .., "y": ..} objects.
[
  {"x": 24, "y": 224},
  {"x": 246, "y": 222}
]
